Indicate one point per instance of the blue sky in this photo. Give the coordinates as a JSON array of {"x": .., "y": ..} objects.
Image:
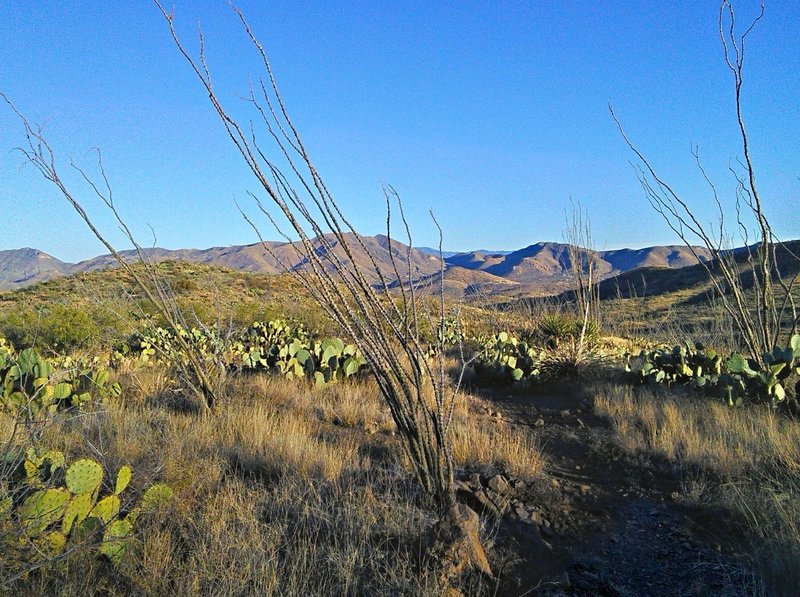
[{"x": 493, "y": 115}]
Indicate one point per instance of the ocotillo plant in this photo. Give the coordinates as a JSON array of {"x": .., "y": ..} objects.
[{"x": 384, "y": 327}]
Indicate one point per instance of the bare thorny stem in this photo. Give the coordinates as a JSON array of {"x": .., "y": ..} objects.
[
  {"x": 40, "y": 154},
  {"x": 384, "y": 326},
  {"x": 759, "y": 320}
]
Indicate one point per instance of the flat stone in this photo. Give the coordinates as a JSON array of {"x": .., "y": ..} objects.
[
  {"x": 499, "y": 484},
  {"x": 461, "y": 486}
]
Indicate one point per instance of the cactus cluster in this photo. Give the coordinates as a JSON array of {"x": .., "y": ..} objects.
[
  {"x": 289, "y": 350},
  {"x": 55, "y": 515},
  {"x": 504, "y": 357},
  {"x": 745, "y": 380},
  {"x": 737, "y": 379},
  {"x": 34, "y": 386},
  {"x": 689, "y": 364},
  {"x": 275, "y": 346}
]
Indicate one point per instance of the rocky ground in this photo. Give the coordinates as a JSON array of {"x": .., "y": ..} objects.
[{"x": 602, "y": 523}]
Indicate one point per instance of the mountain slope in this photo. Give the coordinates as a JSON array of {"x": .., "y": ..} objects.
[
  {"x": 548, "y": 261},
  {"x": 21, "y": 267}
]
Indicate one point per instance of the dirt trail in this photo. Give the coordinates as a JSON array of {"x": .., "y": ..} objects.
[{"x": 617, "y": 524}]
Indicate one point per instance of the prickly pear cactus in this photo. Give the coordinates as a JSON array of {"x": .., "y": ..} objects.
[
  {"x": 84, "y": 476},
  {"x": 55, "y": 517}
]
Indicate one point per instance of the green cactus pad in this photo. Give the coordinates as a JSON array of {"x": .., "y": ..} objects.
[
  {"x": 114, "y": 545},
  {"x": 123, "y": 478},
  {"x": 84, "y": 476},
  {"x": 43, "y": 508},
  {"x": 106, "y": 509},
  {"x": 156, "y": 497},
  {"x": 77, "y": 511},
  {"x": 62, "y": 391},
  {"x": 53, "y": 544}
]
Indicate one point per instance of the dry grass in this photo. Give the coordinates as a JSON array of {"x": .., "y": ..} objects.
[
  {"x": 479, "y": 441},
  {"x": 284, "y": 490},
  {"x": 747, "y": 460}
]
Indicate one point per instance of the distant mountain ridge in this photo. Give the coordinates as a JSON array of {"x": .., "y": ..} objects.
[
  {"x": 551, "y": 261},
  {"x": 539, "y": 266}
]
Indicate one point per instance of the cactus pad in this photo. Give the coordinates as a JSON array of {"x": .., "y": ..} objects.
[
  {"x": 157, "y": 496},
  {"x": 77, "y": 511},
  {"x": 106, "y": 509},
  {"x": 53, "y": 543},
  {"x": 123, "y": 478},
  {"x": 114, "y": 544},
  {"x": 84, "y": 476},
  {"x": 42, "y": 508}
]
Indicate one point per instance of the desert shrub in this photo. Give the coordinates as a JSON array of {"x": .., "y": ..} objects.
[
  {"x": 555, "y": 328},
  {"x": 57, "y": 328}
]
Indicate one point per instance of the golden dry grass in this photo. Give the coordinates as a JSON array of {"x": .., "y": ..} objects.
[
  {"x": 285, "y": 490},
  {"x": 747, "y": 460}
]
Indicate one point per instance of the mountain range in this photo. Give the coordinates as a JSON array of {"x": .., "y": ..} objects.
[{"x": 534, "y": 269}]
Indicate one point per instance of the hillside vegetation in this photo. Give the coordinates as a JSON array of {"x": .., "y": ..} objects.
[{"x": 587, "y": 479}]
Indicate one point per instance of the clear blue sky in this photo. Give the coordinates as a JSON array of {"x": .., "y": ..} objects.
[{"x": 491, "y": 114}]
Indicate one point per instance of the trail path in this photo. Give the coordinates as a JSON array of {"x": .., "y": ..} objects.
[{"x": 617, "y": 525}]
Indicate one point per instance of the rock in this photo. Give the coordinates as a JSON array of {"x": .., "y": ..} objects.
[
  {"x": 555, "y": 483},
  {"x": 521, "y": 512},
  {"x": 500, "y": 502},
  {"x": 486, "y": 504},
  {"x": 539, "y": 422},
  {"x": 461, "y": 486},
  {"x": 475, "y": 481},
  {"x": 499, "y": 484},
  {"x": 565, "y": 413},
  {"x": 518, "y": 485},
  {"x": 584, "y": 489},
  {"x": 459, "y": 543}
]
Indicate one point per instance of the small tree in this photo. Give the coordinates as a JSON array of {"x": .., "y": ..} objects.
[{"x": 759, "y": 316}]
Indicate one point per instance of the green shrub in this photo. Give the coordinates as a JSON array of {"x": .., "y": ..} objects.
[{"x": 58, "y": 328}]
